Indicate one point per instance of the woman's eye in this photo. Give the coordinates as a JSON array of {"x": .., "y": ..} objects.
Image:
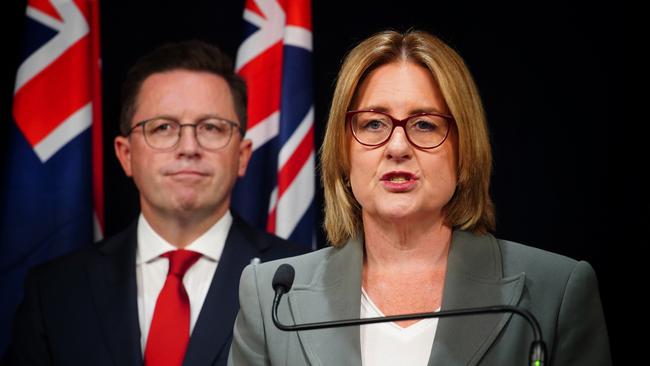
[
  {"x": 425, "y": 125},
  {"x": 373, "y": 124}
]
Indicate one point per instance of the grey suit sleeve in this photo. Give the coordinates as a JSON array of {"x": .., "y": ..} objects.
[
  {"x": 248, "y": 345},
  {"x": 581, "y": 331}
]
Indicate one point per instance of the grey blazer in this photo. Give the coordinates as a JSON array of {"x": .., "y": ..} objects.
[{"x": 560, "y": 292}]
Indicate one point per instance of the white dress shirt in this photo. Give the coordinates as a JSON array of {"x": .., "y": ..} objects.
[
  {"x": 151, "y": 269},
  {"x": 384, "y": 344}
]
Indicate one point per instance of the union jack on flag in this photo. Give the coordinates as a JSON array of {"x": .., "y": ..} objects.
[
  {"x": 52, "y": 197},
  {"x": 275, "y": 60}
]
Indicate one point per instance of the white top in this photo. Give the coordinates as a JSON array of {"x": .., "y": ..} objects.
[
  {"x": 384, "y": 344},
  {"x": 151, "y": 269}
]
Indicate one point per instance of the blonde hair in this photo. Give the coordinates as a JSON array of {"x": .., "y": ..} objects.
[{"x": 470, "y": 207}]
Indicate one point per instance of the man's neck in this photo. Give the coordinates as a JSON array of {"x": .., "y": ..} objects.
[{"x": 180, "y": 230}]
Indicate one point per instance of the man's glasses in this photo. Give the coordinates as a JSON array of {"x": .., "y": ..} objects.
[
  {"x": 164, "y": 133},
  {"x": 423, "y": 130}
]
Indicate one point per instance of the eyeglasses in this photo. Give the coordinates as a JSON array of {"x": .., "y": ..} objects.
[
  {"x": 163, "y": 133},
  {"x": 426, "y": 130}
]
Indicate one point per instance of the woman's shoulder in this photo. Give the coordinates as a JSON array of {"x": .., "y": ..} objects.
[
  {"x": 304, "y": 265},
  {"x": 524, "y": 253},
  {"x": 484, "y": 256},
  {"x": 302, "y": 260},
  {"x": 540, "y": 264}
]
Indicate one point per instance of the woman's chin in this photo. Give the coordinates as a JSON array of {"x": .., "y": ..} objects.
[
  {"x": 402, "y": 214},
  {"x": 393, "y": 214}
]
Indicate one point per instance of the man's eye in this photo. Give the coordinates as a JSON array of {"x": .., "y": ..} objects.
[
  {"x": 162, "y": 128},
  {"x": 213, "y": 127}
]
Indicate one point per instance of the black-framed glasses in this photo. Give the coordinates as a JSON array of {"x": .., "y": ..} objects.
[
  {"x": 425, "y": 130},
  {"x": 162, "y": 133}
]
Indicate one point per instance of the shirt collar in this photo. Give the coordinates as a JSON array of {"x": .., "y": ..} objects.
[{"x": 210, "y": 244}]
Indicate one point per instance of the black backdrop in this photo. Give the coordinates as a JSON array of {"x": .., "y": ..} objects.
[{"x": 548, "y": 74}]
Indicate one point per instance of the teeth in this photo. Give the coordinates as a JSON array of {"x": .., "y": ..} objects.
[{"x": 398, "y": 179}]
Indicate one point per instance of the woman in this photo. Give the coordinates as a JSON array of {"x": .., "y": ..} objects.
[{"x": 406, "y": 166}]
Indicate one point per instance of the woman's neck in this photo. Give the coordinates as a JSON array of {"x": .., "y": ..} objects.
[
  {"x": 404, "y": 265},
  {"x": 411, "y": 245}
]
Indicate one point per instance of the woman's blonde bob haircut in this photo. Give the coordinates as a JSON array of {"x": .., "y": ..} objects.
[{"x": 471, "y": 207}]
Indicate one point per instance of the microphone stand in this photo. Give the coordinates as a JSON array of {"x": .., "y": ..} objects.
[{"x": 537, "y": 355}]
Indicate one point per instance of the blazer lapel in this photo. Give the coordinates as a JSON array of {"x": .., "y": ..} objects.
[
  {"x": 333, "y": 294},
  {"x": 112, "y": 278},
  {"x": 213, "y": 330},
  {"x": 474, "y": 278}
]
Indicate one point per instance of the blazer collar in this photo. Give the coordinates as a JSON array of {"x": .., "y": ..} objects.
[
  {"x": 474, "y": 278},
  {"x": 113, "y": 283},
  {"x": 333, "y": 293},
  {"x": 114, "y": 288}
]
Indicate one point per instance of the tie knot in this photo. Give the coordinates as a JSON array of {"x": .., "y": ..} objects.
[{"x": 181, "y": 260}]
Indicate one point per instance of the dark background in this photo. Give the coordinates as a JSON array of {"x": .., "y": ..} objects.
[{"x": 549, "y": 74}]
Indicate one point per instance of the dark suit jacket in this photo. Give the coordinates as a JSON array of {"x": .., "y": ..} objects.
[
  {"x": 560, "y": 292},
  {"x": 81, "y": 309}
]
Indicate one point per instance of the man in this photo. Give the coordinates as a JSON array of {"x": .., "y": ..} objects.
[{"x": 164, "y": 291}]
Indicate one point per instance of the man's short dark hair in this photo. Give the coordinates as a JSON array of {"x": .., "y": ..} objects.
[{"x": 191, "y": 55}]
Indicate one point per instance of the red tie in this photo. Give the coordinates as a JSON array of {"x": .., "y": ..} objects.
[{"x": 170, "y": 327}]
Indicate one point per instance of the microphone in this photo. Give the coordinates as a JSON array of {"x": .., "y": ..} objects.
[{"x": 283, "y": 280}]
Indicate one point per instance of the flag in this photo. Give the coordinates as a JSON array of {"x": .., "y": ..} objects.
[
  {"x": 277, "y": 192},
  {"x": 52, "y": 197}
]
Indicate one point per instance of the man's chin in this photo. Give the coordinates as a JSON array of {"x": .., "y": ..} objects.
[
  {"x": 182, "y": 202},
  {"x": 194, "y": 207},
  {"x": 187, "y": 206}
]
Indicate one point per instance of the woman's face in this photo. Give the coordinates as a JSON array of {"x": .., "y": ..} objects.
[{"x": 397, "y": 181}]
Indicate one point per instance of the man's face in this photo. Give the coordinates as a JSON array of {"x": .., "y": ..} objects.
[{"x": 187, "y": 181}]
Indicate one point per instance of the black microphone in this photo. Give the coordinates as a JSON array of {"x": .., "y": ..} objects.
[{"x": 283, "y": 280}]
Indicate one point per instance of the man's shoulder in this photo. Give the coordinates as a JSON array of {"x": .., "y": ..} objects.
[
  {"x": 270, "y": 246},
  {"x": 71, "y": 263}
]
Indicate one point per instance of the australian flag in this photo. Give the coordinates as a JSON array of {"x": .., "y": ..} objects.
[
  {"x": 275, "y": 60},
  {"x": 52, "y": 197}
]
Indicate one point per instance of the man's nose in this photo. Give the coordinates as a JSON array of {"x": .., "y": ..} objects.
[{"x": 187, "y": 140}]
